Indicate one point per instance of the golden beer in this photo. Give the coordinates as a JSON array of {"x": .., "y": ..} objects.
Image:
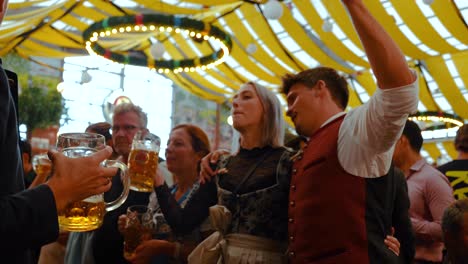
[
  {"x": 83, "y": 215},
  {"x": 142, "y": 166},
  {"x": 43, "y": 169},
  {"x": 88, "y": 214},
  {"x": 134, "y": 236},
  {"x": 42, "y": 164},
  {"x": 138, "y": 228}
]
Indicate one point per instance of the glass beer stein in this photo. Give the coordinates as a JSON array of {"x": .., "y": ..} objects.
[
  {"x": 143, "y": 161},
  {"x": 42, "y": 165},
  {"x": 138, "y": 228},
  {"x": 88, "y": 214}
]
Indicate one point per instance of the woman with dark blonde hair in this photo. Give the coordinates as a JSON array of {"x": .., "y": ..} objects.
[{"x": 253, "y": 185}]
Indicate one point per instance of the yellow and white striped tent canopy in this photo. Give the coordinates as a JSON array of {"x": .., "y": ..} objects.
[{"x": 433, "y": 36}]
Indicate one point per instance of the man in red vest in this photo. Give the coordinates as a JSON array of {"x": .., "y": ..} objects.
[{"x": 340, "y": 204}]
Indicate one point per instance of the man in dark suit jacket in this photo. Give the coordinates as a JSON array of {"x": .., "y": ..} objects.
[{"x": 29, "y": 218}]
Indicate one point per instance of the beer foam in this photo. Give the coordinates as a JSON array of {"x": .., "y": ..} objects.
[
  {"x": 78, "y": 152},
  {"x": 94, "y": 199}
]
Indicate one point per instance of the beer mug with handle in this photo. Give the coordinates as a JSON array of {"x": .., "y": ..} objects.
[
  {"x": 143, "y": 161},
  {"x": 88, "y": 214},
  {"x": 42, "y": 164}
]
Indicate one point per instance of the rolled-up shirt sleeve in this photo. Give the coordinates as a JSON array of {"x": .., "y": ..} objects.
[{"x": 369, "y": 132}]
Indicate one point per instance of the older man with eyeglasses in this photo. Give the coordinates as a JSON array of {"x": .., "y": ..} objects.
[
  {"x": 105, "y": 245},
  {"x": 126, "y": 121},
  {"x": 107, "y": 242}
]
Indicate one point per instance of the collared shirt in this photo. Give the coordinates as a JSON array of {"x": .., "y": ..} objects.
[
  {"x": 430, "y": 193},
  {"x": 368, "y": 134}
]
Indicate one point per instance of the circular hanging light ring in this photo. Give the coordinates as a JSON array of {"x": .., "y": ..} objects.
[
  {"x": 437, "y": 120},
  {"x": 162, "y": 23}
]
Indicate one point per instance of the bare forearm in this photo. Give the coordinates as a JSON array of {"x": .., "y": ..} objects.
[{"x": 386, "y": 58}]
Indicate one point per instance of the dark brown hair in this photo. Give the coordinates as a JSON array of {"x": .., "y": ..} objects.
[
  {"x": 102, "y": 128},
  {"x": 413, "y": 133},
  {"x": 200, "y": 141},
  {"x": 336, "y": 83},
  {"x": 461, "y": 139}
]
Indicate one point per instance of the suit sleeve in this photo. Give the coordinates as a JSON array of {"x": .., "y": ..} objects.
[
  {"x": 29, "y": 219},
  {"x": 401, "y": 220}
]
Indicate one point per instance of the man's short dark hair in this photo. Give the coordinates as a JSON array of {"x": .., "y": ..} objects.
[
  {"x": 461, "y": 139},
  {"x": 337, "y": 84},
  {"x": 413, "y": 133},
  {"x": 102, "y": 128}
]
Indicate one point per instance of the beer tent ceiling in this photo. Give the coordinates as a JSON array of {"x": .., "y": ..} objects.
[{"x": 433, "y": 37}]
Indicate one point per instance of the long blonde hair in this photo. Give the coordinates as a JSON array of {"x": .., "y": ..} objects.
[{"x": 272, "y": 125}]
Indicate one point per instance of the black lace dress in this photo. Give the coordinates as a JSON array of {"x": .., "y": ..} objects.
[{"x": 260, "y": 206}]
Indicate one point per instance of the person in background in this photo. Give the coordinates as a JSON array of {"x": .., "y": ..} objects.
[
  {"x": 455, "y": 230},
  {"x": 29, "y": 217},
  {"x": 429, "y": 191},
  {"x": 184, "y": 205},
  {"x": 107, "y": 242},
  {"x": 103, "y": 128},
  {"x": 28, "y": 170},
  {"x": 457, "y": 169}
]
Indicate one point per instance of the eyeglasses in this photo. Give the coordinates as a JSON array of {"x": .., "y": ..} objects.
[{"x": 125, "y": 128}]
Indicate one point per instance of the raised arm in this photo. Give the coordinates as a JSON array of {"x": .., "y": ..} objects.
[{"x": 385, "y": 57}]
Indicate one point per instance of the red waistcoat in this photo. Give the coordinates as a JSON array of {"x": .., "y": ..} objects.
[{"x": 327, "y": 205}]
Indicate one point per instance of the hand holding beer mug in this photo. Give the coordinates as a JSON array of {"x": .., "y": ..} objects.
[
  {"x": 143, "y": 161},
  {"x": 42, "y": 165},
  {"x": 138, "y": 228},
  {"x": 88, "y": 214}
]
